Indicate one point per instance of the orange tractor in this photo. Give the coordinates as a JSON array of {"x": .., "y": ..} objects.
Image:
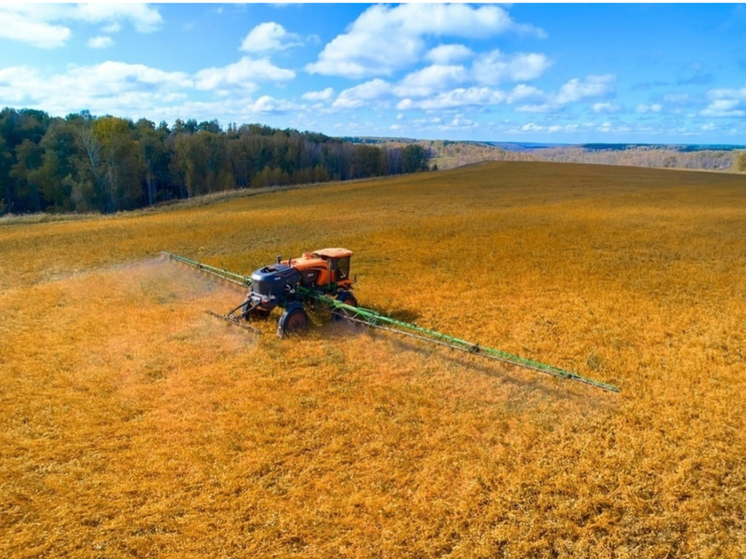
[{"x": 292, "y": 284}]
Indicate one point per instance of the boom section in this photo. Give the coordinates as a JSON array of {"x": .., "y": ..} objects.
[
  {"x": 227, "y": 275},
  {"x": 377, "y": 320}
]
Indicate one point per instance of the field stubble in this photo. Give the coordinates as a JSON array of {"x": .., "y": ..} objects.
[{"x": 133, "y": 424}]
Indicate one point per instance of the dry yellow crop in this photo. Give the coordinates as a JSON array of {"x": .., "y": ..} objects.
[{"x": 134, "y": 424}]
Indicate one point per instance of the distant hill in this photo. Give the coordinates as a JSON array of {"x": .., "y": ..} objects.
[{"x": 447, "y": 154}]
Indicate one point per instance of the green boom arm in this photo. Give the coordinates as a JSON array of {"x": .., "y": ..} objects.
[{"x": 377, "y": 320}]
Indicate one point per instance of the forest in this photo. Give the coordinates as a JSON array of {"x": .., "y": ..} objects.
[{"x": 84, "y": 163}]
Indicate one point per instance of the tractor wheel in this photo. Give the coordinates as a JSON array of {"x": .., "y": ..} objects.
[
  {"x": 293, "y": 321},
  {"x": 348, "y": 299}
]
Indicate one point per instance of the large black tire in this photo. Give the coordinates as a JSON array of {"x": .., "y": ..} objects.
[
  {"x": 348, "y": 299},
  {"x": 293, "y": 321}
]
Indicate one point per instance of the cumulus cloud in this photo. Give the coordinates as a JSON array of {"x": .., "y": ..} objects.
[
  {"x": 19, "y": 27},
  {"x": 42, "y": 25},
  {"x": 459, "y": 121},
  {"x": 269, "y": 105},
  {"x": 431, "y": 79},
  {"x": 723, "y": 108},
  {"x": 360, "y": 95},
  {"x": 725, "y": 103},
  {"x": 130, "y": 90},
  {"x": 269, "y": 36},
  {"x": 445, "y": 85},
  {"x": 101, "y": 42},
  {"x": 384, "y": 39},
  {"x": 323, "y": 95},
  {"x": 532, "y": 127},
  {"x": 448, "y": 54},
  {"x": 106, "y": 87},
  {"x": 242, "y": 74},
  {"x": 495, "y": 67},
  {"x": 143, "y": 18},
  {"x": 727, "y": 94},
  {"x": 460, "y": 97},
  {"x": 523, "y": 92},
  {"x": 534, "y": 99}
]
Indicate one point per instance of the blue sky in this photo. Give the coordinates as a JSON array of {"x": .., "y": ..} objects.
[{"x": 564, "y": 73}]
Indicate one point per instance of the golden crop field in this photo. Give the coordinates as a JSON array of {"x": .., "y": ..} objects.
[{"x": 133, "y": 424}]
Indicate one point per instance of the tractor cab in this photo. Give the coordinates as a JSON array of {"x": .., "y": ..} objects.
[{"x": 324, "y": 268}]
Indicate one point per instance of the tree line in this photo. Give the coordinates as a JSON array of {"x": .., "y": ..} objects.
[{"x": 83, "y": 163}]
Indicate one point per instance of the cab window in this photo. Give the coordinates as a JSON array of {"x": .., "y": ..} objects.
[{"x": 343, "y": 268}]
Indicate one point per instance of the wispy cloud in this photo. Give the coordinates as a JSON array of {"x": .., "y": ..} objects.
[
  {"x": 323, "y": 95},
  {"x": 44, "y": 25},
  {"x": 100, "y": 42},
  {"x": 653, "y": 108}
]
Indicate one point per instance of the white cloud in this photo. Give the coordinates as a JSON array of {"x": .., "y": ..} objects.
[
  {"x": 461, "y": 97},
  {"x": 591, "y": 86},
  {"x": 494, "y": 67},
  {"x": 144, "y": 18},
  {"x": 431, "y": 79},
  {"x": 459, "y": 121},
  {"x": 573, "y": 91},
  {"x": 605, "y": 107},
  {"x": 727, "y": 94},
  {"x": 723, "y": 108},
  {"x": 448, "y": 54},
  {"x": 531, "y": 127},
  {"x": 100, "y": 42},
  {"x": 41, "y": 25},
  {"x": 360, "y": 95},
  {"x": 552, "y": 129},
  {"x": 114, "y": 87},
  {"x": 642, "y": 108},
  {"x": 323, "y": 95},
  {"x": 269, "y": 36},
  {"x": 243, "y": 74},
  {"x": 384, "y": 39},
  {"x": 269, "y": 105},
  {"x": 726, "y": 103},
  {"x": 522, "y": 92},
  {"x": 17, "y": 27},
  {"x": 540, "y": 108}
]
